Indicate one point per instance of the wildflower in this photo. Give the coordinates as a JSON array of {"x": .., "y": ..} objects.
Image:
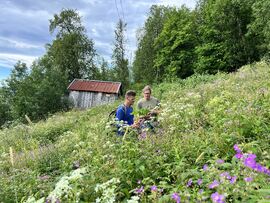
[
  {"x": 199, "y": 181},
  {"x": 239, "y": 156},
  {"x": 217, "y": 198},
  {"x": 233, "y": 179},
  {"x": 201, "y": 191},
  {"x": 259, "y": 168},
  {"x": 220, "y": 161},
  {"x": 214, "y": 184},
  {"x": 176, "y": 197},
  {"x": 224, "y": 174},
  {"x": 154, "y": 188},
  {"x": 237, "y": 149},
  {"x": 250, "y": 161},
  {"x": 139, "y": 190},
  {"x": 189, "y": 183},
  {"x": 248, "y": 179},
  {"x": 139, "y": 181},
  {"x": 205, "y": 167}
]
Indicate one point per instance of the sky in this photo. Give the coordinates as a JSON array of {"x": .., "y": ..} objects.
[{"x": 24, "y": 25}]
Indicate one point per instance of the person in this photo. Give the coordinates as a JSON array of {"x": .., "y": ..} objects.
[
  {"x": 147, "y": 102},
  {"x": 150, "y": 103},
  {"x": 124, "y": 111}
]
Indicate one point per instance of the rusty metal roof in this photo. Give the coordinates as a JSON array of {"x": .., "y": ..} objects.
[{"x": 94, "y": 86}]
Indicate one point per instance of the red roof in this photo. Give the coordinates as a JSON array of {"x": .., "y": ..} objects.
[{"x": 94, "y": 86}]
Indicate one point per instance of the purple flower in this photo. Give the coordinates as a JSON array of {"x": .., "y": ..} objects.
[
  {"x": 189, "y": 183},
  {"x": 233, "y": 179},
  {"x": 226, "y": 175},
  {"x": 259, "y": 168},
  {"x": 220, "y": 161},
  {"x": 248, "y": 179},
  {"x": 239, "y": 156},
  {"x": 250, "y": 161},
  {"x": 266, "y": 171},
  {"x": 199, "y": 181},
  {"x": 154, "y": 188},
  {"x": 217, "y": 198},
  {"x": 214, "y": 184},
  {"x": 205, "y": 167},
  {"x": 139, "y": 190},
  {"x": 176, "y": 197},
  {"x": 237, "y": 149}
]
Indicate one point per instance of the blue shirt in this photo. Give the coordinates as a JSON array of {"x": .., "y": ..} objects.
[{"x": 124, "y": 113}]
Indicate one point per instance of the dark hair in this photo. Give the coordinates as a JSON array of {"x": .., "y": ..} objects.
[{"x": 130, "y": 93}]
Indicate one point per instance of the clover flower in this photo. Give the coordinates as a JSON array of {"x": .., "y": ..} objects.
[{"x": 205, "y": 167}]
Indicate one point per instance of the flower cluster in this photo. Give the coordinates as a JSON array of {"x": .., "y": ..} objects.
[{"x": 249, "y": 161}]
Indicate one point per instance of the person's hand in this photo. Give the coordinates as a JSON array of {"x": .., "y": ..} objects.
[{"x": 135, "y": 125}]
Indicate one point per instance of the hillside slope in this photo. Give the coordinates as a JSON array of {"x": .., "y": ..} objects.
[{"x": 74, "y": 157}]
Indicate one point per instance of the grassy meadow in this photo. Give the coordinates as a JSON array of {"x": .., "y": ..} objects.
[{"x": 212, "y": 145}]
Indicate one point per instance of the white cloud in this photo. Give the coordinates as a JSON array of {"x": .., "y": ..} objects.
[
  {"x": 18, "y": 44},
  {"x": 8, "y": 60}
]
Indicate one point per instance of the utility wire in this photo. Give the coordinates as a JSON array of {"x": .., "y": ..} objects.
[{"x": 117, "y": 9}]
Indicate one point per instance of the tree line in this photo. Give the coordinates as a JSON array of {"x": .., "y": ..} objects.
[
  {"x": 174, "y": 43},
  {"x": 218, "y": 35}
]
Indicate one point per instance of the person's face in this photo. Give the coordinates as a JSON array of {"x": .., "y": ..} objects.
[
  {"x": 147, "y": 94},
  {"x": 131, "y": 100}
]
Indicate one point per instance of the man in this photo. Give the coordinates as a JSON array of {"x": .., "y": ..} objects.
[
  {"x": 147, "y": 102},
  {"x": 124, "y": 111}
]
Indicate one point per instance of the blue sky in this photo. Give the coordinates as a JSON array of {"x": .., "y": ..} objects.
[{"x": 24, "y": 25}]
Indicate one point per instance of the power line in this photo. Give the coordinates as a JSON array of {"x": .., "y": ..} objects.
[
  {"x": 117, "y": 9},
  {"x": 122, "y": 10}
]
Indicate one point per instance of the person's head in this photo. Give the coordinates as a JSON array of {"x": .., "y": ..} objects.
[
  {"x": 147, "y": 92},
  {"x": 130, "y": 97}
]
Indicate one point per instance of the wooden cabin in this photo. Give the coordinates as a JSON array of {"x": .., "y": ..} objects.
[{"x": 88, "y": 93}]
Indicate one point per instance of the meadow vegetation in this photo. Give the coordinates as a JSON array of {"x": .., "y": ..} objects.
[{"x": 212, "y": 144}]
